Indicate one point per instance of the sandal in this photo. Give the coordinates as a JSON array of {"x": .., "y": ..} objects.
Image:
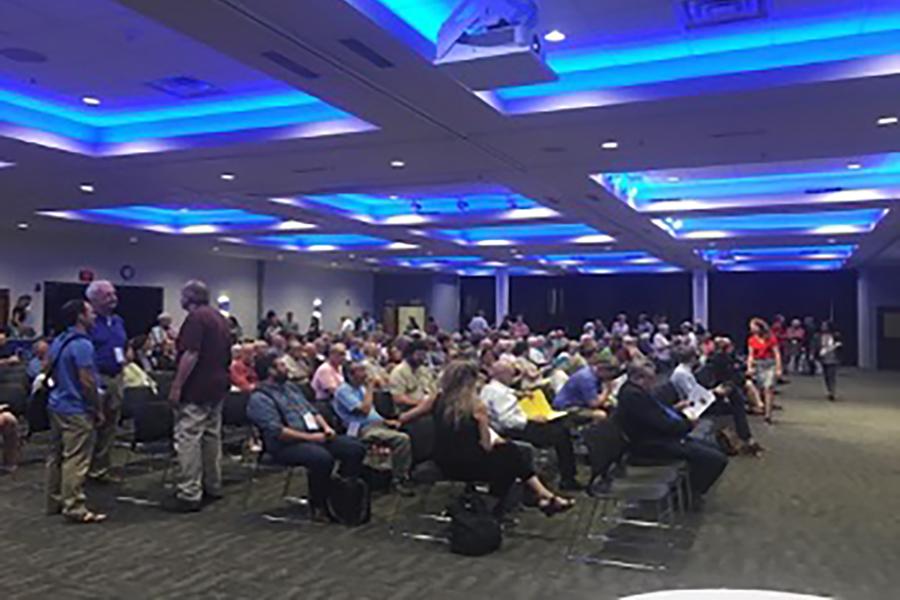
[
  {"x": 88, "y": 518},
  {"x": 555, "y": 504}
]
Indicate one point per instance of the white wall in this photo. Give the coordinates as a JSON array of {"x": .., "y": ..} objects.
[
  {"x": 291, "y": 286},
  {"x": 31, "y": 259},
  {"x": 879, "y": 286}
]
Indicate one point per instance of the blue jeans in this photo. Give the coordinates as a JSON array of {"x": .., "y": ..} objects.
[
  {"x": 705, "y": 461},
  {"x": 319, "y": 459}
]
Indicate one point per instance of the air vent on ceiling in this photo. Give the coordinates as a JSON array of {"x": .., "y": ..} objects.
[
  {"x": 709, "y": 13},
  {"x": 185, "y": 87},
  {"x": 23, "y": 55},
  {"x": 290, "y": 64},
  {"x": 363, "y": 51}
]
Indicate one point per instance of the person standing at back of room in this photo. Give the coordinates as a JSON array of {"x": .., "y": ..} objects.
[
  {"x": 826, "y": 346},
  {"x": 197, "y": 394},
  {"x": 75, "y": 408},
  {"x": 110, "y": 340}
]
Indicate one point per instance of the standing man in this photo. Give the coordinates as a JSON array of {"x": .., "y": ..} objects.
[
  {"x": 75, "y": 408},
  {"x": 109, "y": 339},
  {"x": 198, "y": 391}
]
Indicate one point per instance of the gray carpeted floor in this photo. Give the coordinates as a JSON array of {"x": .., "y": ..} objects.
[{"x": 816, "y": 515}]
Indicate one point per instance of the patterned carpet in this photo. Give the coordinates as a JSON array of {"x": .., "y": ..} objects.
[{"x": 816, "y": 515}]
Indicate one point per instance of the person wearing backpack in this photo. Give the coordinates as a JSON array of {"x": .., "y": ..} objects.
[
  {"x": 294, "y": 433},
  {"x": 76, "y": 409}
]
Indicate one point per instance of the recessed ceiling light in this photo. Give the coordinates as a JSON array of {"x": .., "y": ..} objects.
[
  {"x": 555, "y": 36},
  {"x": 91, "y": 100},
  {"x": 394, "y": 197},
  {"x": 397, "y": 164},
  {"x": 832, "y": 240},
  {"x": 279, "y": 257},
  {"x": 889, "y": 120},
  {"x": 23, "y": 226},
  {"x": 87, "y": 188},
  {"x": 673, "y": 179},
  {"x": 132, "y": 240},
  {"x": 854, "y": 166},
  {"x": 334, "y": 264},
  {"x": 352, "y": 256},
  {"x": 610, "y": 145},
  {"x": 228, "y": 176},
  {"x": 215, "y": 248}
]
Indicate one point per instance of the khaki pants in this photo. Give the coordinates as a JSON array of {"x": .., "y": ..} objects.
[
  {"x": 198, "y": 444},
  {"x": 397, "y": 441},
  {"x": 106, "y": 434},
  {"x": 71, "y": 444}
]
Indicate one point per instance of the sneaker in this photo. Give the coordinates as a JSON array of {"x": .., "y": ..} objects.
[{"x": 180, "y": 505}]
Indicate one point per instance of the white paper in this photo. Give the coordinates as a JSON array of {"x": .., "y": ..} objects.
[
  {"x": 309, "y": 420},
  {"x": 119, "y": 354},
  {"x": 700, "y": 400}
]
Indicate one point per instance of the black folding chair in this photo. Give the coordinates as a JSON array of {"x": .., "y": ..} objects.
[
  {"x": 135, "y": 397},
  {"x": 612, "y": 488}
]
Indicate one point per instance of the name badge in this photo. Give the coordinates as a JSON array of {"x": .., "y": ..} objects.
[
  {"x": 309, "y": 420},
  {"x": 119, "y": 354},
  {"x": 353, "y": 430}
]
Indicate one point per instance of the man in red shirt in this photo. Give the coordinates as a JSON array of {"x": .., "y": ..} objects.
[{"x": 198, "y": 391}]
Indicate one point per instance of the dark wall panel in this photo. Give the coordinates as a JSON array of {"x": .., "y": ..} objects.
[
  {"x": 736, "y": 297},
  {"x": 139, "y": 306},
  {"x": 569, "y": 301},
  {"x": 476, "y": 293}
]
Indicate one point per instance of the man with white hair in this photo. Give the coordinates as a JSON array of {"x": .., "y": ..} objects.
[
  {"x": 109, "y": 340},
  {"x": 162, "y": 330},
  {"x": 197, "y": 394},
  {"x": 508, "y": 419}
]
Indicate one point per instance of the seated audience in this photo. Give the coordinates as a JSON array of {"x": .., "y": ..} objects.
[
  {"x": 466, "y": 449},
  {"x": 294, "y": 433},
  {"x": 133, "y": 375},
  {"x": 241, "y": 371},
  {"x": 729, "y": 399},
  {"x": 354, "y": 405},
  {"x": 330, "y": 376},
  {"x": 163, "y": 330},
  {"x": 508, "y": 419},
  {"x": 559, "y": 371},
  {"x": 38, "y": 361},
  {"x": 9, "y": 431},
  {"x": 8, "y": 356},
  {"x": 585, "y": 390},
  {"x": 411, "y": 381},
  {"x": 298, "y": 369},
  {"x": 656, "y": 430}
]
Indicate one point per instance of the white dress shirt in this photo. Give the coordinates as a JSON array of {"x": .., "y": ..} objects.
[{"x": 503, "y": 407}]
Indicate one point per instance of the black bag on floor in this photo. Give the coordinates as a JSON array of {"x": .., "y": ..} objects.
[
  {"x": 474, "y": 531},
  {"x": 349, "y": 501}
]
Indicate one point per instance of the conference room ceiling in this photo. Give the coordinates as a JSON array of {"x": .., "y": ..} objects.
[{"x": 303, "y": 111}]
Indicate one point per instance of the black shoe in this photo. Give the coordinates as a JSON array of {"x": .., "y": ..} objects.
[
  {"x": 180, "y": 505},
  {"x": 404, "y": 489},
  {"x": 104, "y": 479},
  {"x": 210, "y": 498},
  {"x": 571, "y": 485}
]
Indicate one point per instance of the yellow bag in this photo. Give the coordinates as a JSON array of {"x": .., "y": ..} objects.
[{"x": 536, "y": 407}]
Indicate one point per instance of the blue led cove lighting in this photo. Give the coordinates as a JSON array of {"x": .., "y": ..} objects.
[
  {"x": 824, "y": 223},
  {"x": 520, "y": 232},
  {"x": 385, "y": 205}
]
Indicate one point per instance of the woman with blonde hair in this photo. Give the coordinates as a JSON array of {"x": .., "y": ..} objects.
[
  {"x": 466, "y": 449},
  {"x": 764, "y": 362}
]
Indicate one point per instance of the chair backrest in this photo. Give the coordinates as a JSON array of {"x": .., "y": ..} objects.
[
  {"x": 234, "y": 410},
  {"x": 16, "y": 395},
  {"x": 153, "y": 422},
  {"x": 15, "y": 374},
  {"x": 606, "y": 444},
  {"x": 163, "y": 382},
  {"x": 384, "y": 404},
  {"x": 134, "y": 397}
]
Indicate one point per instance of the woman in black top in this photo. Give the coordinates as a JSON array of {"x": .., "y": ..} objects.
[{"x": 466, "y": 449}]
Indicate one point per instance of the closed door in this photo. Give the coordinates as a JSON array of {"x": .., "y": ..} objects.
[
  {"x": 889, "y": 338},
  {"x": 4, "y": 308}
]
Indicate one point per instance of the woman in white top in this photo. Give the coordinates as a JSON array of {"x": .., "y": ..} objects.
[{"x": 662, "y": 348}]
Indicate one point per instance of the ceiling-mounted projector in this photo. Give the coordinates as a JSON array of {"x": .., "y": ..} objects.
[{"x": 489, "y": 44}]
